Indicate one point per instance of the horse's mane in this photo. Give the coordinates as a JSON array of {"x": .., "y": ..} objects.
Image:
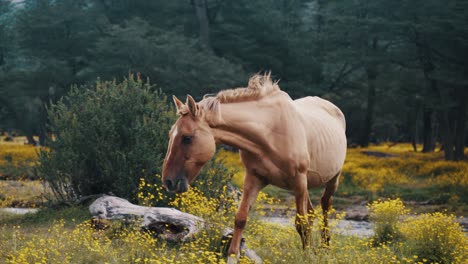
[{"x": 258, "y": 87}]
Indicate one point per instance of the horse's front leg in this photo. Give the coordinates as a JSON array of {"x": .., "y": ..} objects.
[
  {"x": 303, "y": 205},
  {"x": 252, "y": 185}
]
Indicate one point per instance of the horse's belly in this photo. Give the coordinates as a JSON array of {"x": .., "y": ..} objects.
[
  {"x": 329, "y": 161},
  {"x": 325, "y": 125},
  {"x": 314, "y": 179}
]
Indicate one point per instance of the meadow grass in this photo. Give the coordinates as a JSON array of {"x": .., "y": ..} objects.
[
  {"x": 17, "y": 159},
  {"x": 399, "y": 172},
  {"x": 23, "y": 193},
  {"x": 65, "y": 235}
]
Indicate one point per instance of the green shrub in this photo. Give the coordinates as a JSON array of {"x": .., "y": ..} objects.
[
  {"x": 385, "y": 216},
  {"x": 105, "y": 138}
]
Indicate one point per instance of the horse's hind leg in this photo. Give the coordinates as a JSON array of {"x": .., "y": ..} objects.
[{"x": 326, "y": 201}]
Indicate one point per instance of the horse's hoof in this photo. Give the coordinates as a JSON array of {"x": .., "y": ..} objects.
[{"x": 232, "y": 260}]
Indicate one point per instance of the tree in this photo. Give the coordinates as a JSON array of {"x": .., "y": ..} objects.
[
  {"x": 437, "y": 33},
  {"x": 50, "y": 41},
  {"x": 174, "y": 61},
  {"x": 5, "y": 9},
  {"x": 358, "y": 38},
  {"x": 201, "y": 10}
]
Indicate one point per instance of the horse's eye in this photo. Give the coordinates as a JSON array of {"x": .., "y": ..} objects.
[{"x": 187, "y": 139}]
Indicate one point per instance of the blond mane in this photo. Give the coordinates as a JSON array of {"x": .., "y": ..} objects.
[{"x": 258, "y": 87}]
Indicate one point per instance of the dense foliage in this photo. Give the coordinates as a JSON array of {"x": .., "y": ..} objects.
[
  {"x": 105, "y": 139},
  {"x": 395, "y": 68},
  {"x": 109, "y": 138}
]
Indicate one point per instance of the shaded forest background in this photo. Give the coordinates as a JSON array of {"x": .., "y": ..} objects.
[{"x": 398, "y": 69}]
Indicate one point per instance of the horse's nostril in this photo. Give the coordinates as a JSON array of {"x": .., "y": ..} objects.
[{"x": 169, "y": 184}]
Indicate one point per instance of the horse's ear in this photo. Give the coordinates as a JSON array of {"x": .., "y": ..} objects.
[
  {"x": 177, "y": 102},
  {"x": 192, "y": 105}
]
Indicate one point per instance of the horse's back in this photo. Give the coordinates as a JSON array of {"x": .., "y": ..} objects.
[
  {"x": 312, "y": 105},
  {"x": 325, "y": 127}
]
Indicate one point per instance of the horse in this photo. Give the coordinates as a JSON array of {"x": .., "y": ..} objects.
[{"x": 293, "y": 144}]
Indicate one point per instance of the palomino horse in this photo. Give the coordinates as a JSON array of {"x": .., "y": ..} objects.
[{"x": 293, "y": 144}]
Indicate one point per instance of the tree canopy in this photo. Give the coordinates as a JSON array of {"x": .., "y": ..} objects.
[{"x": 397, "y": 69}]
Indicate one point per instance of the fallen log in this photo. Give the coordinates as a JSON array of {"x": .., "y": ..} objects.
[{"x": 167, "y": 223}]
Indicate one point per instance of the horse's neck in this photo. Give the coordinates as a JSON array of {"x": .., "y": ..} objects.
[{"x": 243, "y": 126}]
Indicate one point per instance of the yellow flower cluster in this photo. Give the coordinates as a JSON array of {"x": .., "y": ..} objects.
[
  {"x": 22, "y": 193},
  {"x": 232, "y": 160},
  {"x": 82, "y": 244},
  {"x": 436, "y": 237},
  {"x": 446, "y": 173},
  {"x": 18, "y": 155},
  {"x": 385, "y": 216},
  {"x": 429, "y": 238},
  {"x": 387, "y": 212},
  {"x": 402, "y": 166},
  {"x": 194, "y": 202},
  {"x": 149, "y": 193}
]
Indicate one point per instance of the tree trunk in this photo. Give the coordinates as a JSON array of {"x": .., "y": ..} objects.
[
  {"x": 461, "y": 125},
  {"x": 413, "y": 124},
  {"x": 368, "y": 119},
  {"x": 428, "y": 135},
  {"x": 319, "y": 17},
  {"x": 448, "y": 138},
  {"x": 2, "y": 56},
  {"x": 30, "y": 137},
  {"x": 43, "y": 137},
  {"x": 202, "y": 16},
  {"x": 447, "y": 129}
]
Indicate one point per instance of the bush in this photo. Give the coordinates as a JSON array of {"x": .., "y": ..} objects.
[
  {"x": 105, "y": 138},
  {"x": 435, "y": 238},
  {"x": 385, "y": 216}
]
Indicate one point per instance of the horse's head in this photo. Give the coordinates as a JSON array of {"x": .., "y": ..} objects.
[{"x": 191, "y": 145}]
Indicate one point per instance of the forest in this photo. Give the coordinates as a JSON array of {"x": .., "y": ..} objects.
[
  {"x": 398, "y": 69},
  {"x": 85, "y": 110}
]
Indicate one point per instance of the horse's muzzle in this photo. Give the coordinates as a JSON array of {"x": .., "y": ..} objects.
[{"x": 180, "y": 185}]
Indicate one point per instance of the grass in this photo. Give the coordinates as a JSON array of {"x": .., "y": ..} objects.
[
  {"x": 17, "y": 159},
  {"x": 23, "y": 193},
  {"x": 64, "y": 234},
  {"x": 419, "y": 178}
]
